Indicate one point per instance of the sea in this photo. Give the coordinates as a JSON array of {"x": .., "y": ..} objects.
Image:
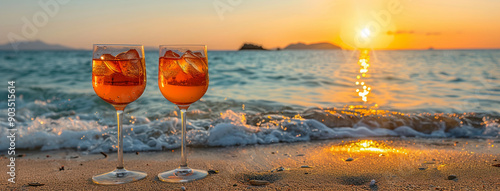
[{"x": 259, "y": 97}]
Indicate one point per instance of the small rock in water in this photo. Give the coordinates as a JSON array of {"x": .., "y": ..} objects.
[
  {"x": 183, "y": 188},
  {"x": 258, "y": 182},
  {"x": 48, "y": 156},
  {"x": 305, "y": 166},
  {"x": 372, "y": 183},
  {"x": 349, "y": 159},
  {"x": 280, "y": 168},
  {"x": 452, "y": 177}
]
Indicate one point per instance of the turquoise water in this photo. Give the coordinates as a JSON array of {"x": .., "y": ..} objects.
[{"x": 261, "y": 97}]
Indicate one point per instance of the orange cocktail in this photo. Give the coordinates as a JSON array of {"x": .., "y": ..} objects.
[
  {"x": 119, "y": 80},
  {"x": 183, "y": 80}
]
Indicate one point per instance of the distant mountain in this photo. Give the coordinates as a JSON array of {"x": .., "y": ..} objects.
[
  {"x": 34, "y": 45},
  {"x": 315, "y": 46},
  {"x": 248, "y": 46}
]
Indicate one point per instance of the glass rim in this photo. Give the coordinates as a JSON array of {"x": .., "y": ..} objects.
[
  {"x": 118, "y": 45},
  {"x": 181, "y": 45}
]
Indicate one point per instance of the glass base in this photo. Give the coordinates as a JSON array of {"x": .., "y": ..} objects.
[
  {"x": 182, "y": 174},
  {"x": 118, "y": 176}
]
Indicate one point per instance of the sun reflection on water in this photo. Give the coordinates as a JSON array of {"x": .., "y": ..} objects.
[
  {"x": 367, "y": 146},
  {"x": 364, "y": 89}
]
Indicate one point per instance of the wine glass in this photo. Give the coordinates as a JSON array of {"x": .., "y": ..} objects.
[
  {"x": 183, "y": 80},
  {"x": 119, "y": 78}
]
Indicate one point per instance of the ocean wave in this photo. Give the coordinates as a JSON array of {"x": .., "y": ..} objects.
[{"x": 240, "y": 128}]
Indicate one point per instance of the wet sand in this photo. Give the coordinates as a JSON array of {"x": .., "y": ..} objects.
[{"x": 347, "y": 164}]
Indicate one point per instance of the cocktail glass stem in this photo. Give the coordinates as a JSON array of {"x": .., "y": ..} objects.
[
  {"x": 183, "y": 173},
  {"x": 183, "y": 149},
  {"x": 119, "y": 115},
  {"x": 120, "y": 175}
]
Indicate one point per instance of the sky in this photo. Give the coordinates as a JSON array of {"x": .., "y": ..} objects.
[{"x": 227, "y": 24}]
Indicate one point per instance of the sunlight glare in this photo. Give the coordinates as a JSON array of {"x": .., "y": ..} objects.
[{"x": 365, "y": 32}]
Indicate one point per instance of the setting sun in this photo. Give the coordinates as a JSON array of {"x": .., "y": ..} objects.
[{"x": 365, "y": 33}]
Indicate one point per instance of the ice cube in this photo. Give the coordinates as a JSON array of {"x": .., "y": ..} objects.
[
  {"x": 100, "y": 69},
  {"x": 171, "y": 54},
  {"x": 131, "y": 68},
  {"x": 129, "y": 55},
  {"x": 111, "y": 62},
  {"x": 199, "y": 54},
  {"x": 169, "y": 68},
  {"x": 130, "y": 63},
  {"x": 198, "y": 63},
  {"x": 186, "y": 67}
]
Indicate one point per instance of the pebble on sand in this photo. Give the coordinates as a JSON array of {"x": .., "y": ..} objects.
[
  {"x": 452, "y": 177},
  {"x": 372, "y": 183},
  {"x": 280, "y": 168},
  {"x": 183, "y": 188},
  {"x": 349, "y": 159},
  {"x": 213, "y": 171},
  {"x": 258, "y": 182},
  {"x": 35, "y": 184},
  {"x": 305, "y": 166}
]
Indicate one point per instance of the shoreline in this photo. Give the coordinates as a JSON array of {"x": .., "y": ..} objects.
[{"x": 394, "y": 164}]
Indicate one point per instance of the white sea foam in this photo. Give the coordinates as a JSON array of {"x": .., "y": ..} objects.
[{"x": 228, "y": 130}]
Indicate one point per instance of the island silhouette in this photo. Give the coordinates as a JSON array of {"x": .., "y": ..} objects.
[
  {"x": 296, "y": 46},
  {"x": 33, "y": 45}
]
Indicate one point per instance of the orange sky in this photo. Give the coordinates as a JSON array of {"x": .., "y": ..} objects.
[{"x": 225, "y": 25}]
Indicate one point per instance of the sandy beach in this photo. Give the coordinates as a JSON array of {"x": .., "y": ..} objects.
[{"x": 348, "y": 164}]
